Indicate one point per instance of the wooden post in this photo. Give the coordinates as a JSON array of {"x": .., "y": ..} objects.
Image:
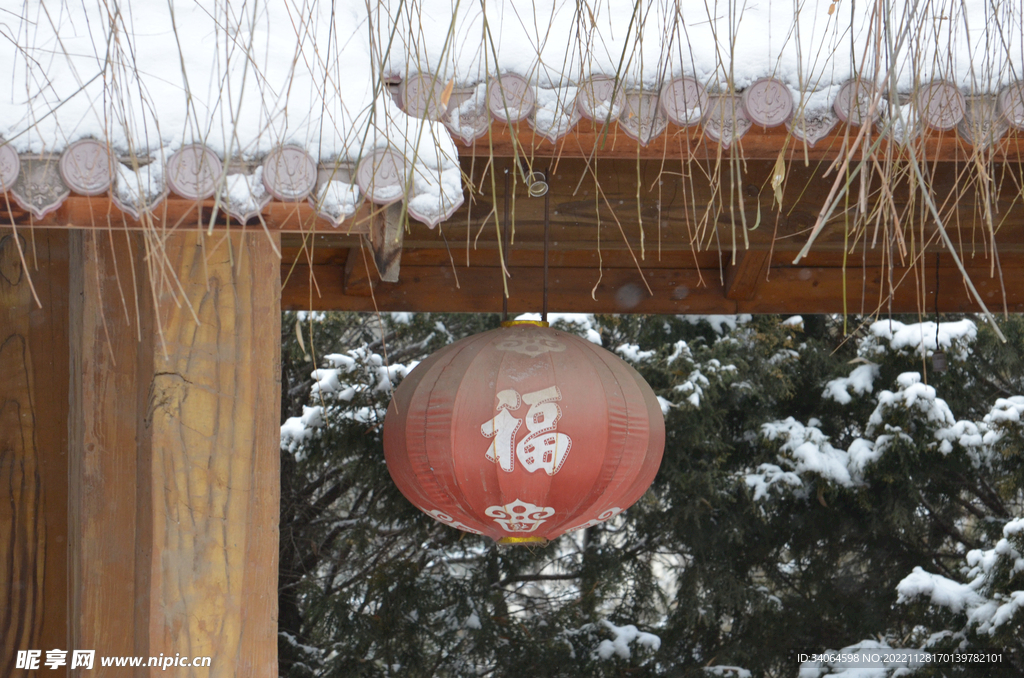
[
  {"x": 175, "y": 472},
  {"x": 33, "y": 447},
  {"x": 386, "y": 235}
]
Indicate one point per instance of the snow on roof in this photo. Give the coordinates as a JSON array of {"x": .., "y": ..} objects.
[
  {"x": 243, "y": 79},
  {"x": 977, "y": 43}
]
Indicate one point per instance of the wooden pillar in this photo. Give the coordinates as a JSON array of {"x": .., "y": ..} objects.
[
  {"x": 33, "y": 445},
  {"x": 175, "y": 409}
]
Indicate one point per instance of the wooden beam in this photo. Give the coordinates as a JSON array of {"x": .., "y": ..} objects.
[
  {"x": 427, "y": 284},
  {"x": 592, "y": 140},
  {"x": 33, "y": 447},
  {"x": 176, "y": 213},
  {"x": 175, "y": 414},
  {"x": 742, "y": 278},
  {"x": 656, "y": 204}
]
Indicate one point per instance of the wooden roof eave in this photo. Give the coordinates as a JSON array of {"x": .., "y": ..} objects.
[{"x": 593, "y": 140}]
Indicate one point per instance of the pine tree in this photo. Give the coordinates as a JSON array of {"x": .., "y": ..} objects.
[{"x": 817, "y": 491}]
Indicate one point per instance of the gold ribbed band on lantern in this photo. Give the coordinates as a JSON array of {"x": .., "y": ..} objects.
[
  {"x": 505, "y": 541},
  {"x": 537, "y": 323}
]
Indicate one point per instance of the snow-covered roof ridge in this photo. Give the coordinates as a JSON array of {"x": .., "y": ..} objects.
[
  {"x": 310, "y": 85},
  {"x": 288, "y": 85},
  {"x": 958, "y": 62},
  {"x": 980, "y": 119}
]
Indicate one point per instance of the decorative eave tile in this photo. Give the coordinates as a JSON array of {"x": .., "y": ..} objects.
[
  {"x": 812, "y": 126},
  {"x": 601, "y": 99},
  {"x": 244, "y": 195},
  {"x": 725, "y": 121},
  {"x": 853, "y": 102},
  {"x": 906, "y": 122},
  {"x": 138, "y": 192},
  {"x": 684, "y": 101},
  {"x": 555, "y": 112},
  {"x": 768, "y": 102},
  {"x": 193, "y": 172},
  {"x": 85, "y": 167},
  {"x": 982, "y": 124},
  {"x": 510, "y": 98},
  {"x": 1011, "y": 105},
  {"x": 337, "y": 197},
  {"x": 422, "y": 96},
  {"x": 289, "y": 173},
  {"x": 10, "y": 165},
  {"x": 642, "y": 118},
  {"x": 941, "y": 105},
  {"x": 447, "y": 206},
  {"x": 381, "y": 176},
  {"x": 467, "y": 117},
  {"x": 39, "y": 189}
]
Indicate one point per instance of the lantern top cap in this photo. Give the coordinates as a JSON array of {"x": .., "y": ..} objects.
[{"x": 513, "y": 323}]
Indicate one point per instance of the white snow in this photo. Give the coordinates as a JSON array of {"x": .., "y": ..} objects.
[
  {"x": 244, "y": 193},
  {"x": 1006, "y": 410},
  {"x": 624, "y": 635},
  {"x": 938, "y": 589},
  {"x": 722, "y": 671},
  {"x": 238, "y": 77},
  {"x": 401, "y": 317},
  {"x": 632, "y": 352},
  {"x": 720, "y": 323},
  {"x": 142, "y": 189},
  {"x": 296, "y": 430},
  {"x": 338, "y": 198},
  {"x": 986, "y": 608},
  {"x": 860, "y": 381},
  {"x": 555, "y": 111},
  {"x": 805, "y": 449},
  {"x": 680, "y": 350},
  {"x": 244, "y": 78},
  {"x": 919, "y": 339},
  {"x": 768, "y": 475},
  {"x": 911, "y": 394},
  {"x": 808, "y": 49},
  {"x": 666, "y": 405}
]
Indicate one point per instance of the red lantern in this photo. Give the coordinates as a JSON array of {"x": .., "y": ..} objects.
[{"x": 523, "y": 433}]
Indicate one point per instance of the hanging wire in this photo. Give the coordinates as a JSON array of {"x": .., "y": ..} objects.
[
  {"x": 505, "y": 241},
  {"x": 547, "y": 229},
  {"x": 939, "y": 364}
]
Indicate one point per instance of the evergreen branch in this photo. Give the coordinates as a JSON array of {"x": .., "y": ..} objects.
[{"x": 536, "y": 577}]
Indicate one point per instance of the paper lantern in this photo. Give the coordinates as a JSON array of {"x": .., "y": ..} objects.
[{"x": 523, "y": 433}]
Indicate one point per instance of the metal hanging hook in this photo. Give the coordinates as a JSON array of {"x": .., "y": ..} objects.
[{"x": 537, "y": 184}]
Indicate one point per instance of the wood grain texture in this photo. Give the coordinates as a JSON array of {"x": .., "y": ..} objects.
[
  {"x": 212, "y": 459},
  {"x": 593, "y": 140},
  {"x": 386, "y": 234},
  {"x": 679, "y": 285},
  {"x": 175, "y": 476},
  {"x": 33, "y": 447},
  {"x": 743, "y": 277},
  {"x": 105, "y": 274}
]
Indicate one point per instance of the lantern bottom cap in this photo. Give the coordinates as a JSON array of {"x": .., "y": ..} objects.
[{"x": 519, "y": 541}]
